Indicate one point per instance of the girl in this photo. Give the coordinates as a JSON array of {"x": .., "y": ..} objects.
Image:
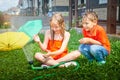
[{"x": 55, "y": 44}]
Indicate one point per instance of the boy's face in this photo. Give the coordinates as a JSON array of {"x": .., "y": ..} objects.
[{"x": 88, "y": 24}]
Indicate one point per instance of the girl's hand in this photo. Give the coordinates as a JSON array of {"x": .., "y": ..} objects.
[
  {"x": 44, "y": 55},
  {"x": 36, "y": 38},
  {"x": 48, "y": 54}
]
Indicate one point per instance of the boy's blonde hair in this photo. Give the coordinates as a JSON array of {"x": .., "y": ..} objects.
[
  {"x": 58, "y": 18},
  {"x": 91, "y": 15}
]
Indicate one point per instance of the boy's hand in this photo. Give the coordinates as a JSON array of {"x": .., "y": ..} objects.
[{"x": 85, "y": 40}]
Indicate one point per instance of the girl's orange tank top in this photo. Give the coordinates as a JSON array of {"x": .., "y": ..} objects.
[{"x": 54, "y": 45}]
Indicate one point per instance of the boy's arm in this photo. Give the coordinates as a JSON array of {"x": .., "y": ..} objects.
[
  {"x": 89, "y": 41},
  {"x": 92, "y": 41}
]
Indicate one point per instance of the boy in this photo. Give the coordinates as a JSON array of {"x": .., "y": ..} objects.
[{"x": 95, "y": 44}]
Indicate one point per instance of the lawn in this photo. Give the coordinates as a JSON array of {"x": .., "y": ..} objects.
[{"x": 14, "y": 65}]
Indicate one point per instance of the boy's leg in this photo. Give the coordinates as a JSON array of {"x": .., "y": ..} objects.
[
  {"x": 71, "y": 56},
  {"x": 85, "y": 50},
  {"x": 99, "y": 52}
]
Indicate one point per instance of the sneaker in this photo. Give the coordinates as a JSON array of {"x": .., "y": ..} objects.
[
  {"x": 90, "y": 60},
  {"x": 71, "y": 63},
  {"x": 44, "y": 66},
  {"x": 101, "y": 62}
]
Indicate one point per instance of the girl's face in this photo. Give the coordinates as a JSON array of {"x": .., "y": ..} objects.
[
  {"x": 88, "y": 24},
  {"x": 56, "y": 28}
]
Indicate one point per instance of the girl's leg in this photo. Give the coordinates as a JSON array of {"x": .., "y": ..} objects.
[
  {"x": 99, "y": 52},
  {"x": 85, "y": 50},
  {"x": 47, "y": 61},
  {"x": 71, "y": 56},
  {"x": 50, "y": 61},
  {"x": 39, "y": 57}
]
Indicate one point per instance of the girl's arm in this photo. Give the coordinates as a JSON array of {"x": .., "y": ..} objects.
[
  {"x": 43, "y": 45},
  {"x": 63, "y": 47}
]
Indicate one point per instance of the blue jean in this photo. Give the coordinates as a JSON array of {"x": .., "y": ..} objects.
[{"x": 92, "y": 52}]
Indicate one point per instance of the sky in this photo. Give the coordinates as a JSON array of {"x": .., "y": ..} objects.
[{"x": 6, "y": 4}]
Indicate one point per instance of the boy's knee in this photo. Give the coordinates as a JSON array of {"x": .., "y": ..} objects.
[
  {"x": 80, "y": 48},
  {"x": 94, "y": 49}
]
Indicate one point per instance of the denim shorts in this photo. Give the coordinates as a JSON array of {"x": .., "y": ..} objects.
[{"x": 92, "y": 52}]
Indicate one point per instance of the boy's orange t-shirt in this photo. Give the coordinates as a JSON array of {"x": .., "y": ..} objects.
[
  {"x": 56, "y": 45},
  {"x": 98, "y": 33}
]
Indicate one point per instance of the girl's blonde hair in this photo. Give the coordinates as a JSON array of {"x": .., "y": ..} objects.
[
  {"x": 91, "y": 15},
  {"x": 57, "y": 18}
]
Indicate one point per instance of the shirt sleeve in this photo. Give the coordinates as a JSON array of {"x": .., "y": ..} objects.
[
  {"x": 84, "y": 33},
  {"x": 101, "y": 34}
]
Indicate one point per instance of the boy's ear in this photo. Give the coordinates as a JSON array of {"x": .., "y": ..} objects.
[{"x": 95, "y": 22}]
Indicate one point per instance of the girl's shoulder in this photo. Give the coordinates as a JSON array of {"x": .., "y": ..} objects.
[
  {"x": 67, "y": 33},
  {"x": 47, "y": 33}
]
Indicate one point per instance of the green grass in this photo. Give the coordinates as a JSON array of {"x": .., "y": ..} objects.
[{"x": 14, "y": 65}]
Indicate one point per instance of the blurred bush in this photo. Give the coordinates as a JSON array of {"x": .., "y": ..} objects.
[{"x": 4, "y": 21}]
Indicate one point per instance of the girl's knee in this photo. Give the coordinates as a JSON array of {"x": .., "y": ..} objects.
[{"x": 37, "y": 55}]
